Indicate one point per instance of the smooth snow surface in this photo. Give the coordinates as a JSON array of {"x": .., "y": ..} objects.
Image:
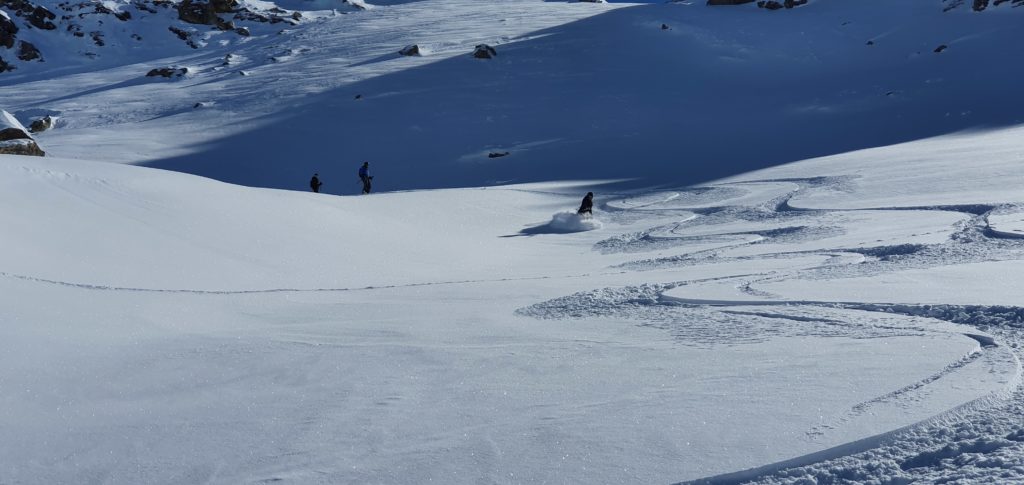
[
  {"x": 852, "y": 318},
  {"x": 312, "y": 338}
]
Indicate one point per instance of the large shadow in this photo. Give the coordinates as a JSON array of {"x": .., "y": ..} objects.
[{"x": 721, "y": 91}]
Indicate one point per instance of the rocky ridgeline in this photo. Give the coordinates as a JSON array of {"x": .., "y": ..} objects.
[
  {"x": 88, "y": 23},
  {"x": 976, "y": 5},
  {"x": 979, "y": 5}
]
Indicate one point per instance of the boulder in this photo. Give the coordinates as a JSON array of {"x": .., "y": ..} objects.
[
  {"x": 40, "y": 18},
  {"x": 941, "y": 48},
  {"x": 410, "y": 50},
  {"x": 729, "y": 2},
  {"x": 484, "y": 51},
  {"x": 4, "y": 66},
  {"x": 42, "y": 124},
  {"x": 497, "y": 154},
  {"x": 167, "y": 72},
  {"x": 7, "y": 31},
  {"x": 197, "y": 13},
  {"x": 14, "y": 138},
  {"x": 769, "y": 4},
  {"x": 185, "y": 36},
  {"x": 28, "y": 52}
]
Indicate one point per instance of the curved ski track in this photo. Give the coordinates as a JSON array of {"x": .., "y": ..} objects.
[{"x": 980, "y": 440}]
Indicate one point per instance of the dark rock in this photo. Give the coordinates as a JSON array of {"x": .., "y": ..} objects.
[
  {"x": 980, "y": 5},
  {"x": 296, "y": 16},
  {"x": 497, "y": 154},
  {"x": 40, "y": 18},
  {"x": 41, "y": 124},
  {"x": 8, "y": 133},
  {"x": 243, "y": 31},
  {"x": 484, "y": 51},
  {"x": 167, "y": 72},
  {"x": 97, "y": 38},
  {"x": 196, "y": 13},
  {"x": 769, "y": 4},
  {"x": 4, "y": 66},
  {"x": 359, "y": 96},
  {"x": 123, "y": 16},
  {"x": 7, "y": 32},
  {"x": 225, "y": 25},
  {"x": 941, "y": 48},
  {"x": 729, "y": 2},
  {"x": 21, "y": 147},
  {"x": 665, "y": 27},
  {"x": 28, "y": 52},
  {"x": 185, "y": 36},
  {"x": 793, "y": 3},
  {"x": 224, "y": 6},
  {"x": 205, "y": 13},
  {"x": 410, "y": 50},
  {"x": 870, "y": 42}
]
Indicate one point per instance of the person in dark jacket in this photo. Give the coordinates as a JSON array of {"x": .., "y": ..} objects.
[
  {"x": 587, "y": 207},
  {"x": 314, "y": 183},
  {"x": 364, "y": 175}
]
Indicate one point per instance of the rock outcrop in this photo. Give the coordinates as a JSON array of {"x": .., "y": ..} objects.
[
  {"x": 14, "y": 138},
  {"x": 205, "y": 13},
  {"x": 167, "y": 72},
  {"x": 410, "y": 50},
  {"x": 484, "y": 51},
  {"x": 980, "y": 5},
  {"x": 42, "y": 124},
  {"x": 8, "y": 31},
  {"x": 29, "y": 52}
]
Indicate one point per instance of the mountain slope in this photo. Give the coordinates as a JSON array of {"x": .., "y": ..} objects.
[{"x": 724, "y": 90}]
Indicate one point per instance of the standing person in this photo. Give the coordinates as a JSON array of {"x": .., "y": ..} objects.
[
  {"x": 314, "y": 183},
  {"x": 587, "y": 207},
  {"x": 364, "y": 175}
]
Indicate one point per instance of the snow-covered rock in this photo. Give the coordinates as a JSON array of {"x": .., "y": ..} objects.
[{"x": 14, "y": 138}]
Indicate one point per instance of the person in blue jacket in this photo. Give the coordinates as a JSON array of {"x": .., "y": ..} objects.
[{"x": 364, "y": 175}]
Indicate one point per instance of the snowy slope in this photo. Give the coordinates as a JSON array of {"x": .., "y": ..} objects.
[
  {"x": 849, "y": 318},
  {"x": 312, "y": 338},
  {"x": 556, "y": 97}
]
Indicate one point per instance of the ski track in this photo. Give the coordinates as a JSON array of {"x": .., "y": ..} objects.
[
  {"x": 88, "y": 286},
  {"x": 979, "y": 442}
]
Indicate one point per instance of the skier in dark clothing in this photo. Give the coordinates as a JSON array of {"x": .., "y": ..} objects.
[
  {"x": 364, "y": 175},
  {"x": 586, "y": 208},
  {"x": 314, "y": 183}
]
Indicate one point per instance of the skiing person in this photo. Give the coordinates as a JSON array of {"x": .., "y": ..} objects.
[
  {"x": 314, "y": 183},
  {"x": 586, "y": 208},
  {"x": 364, "y": 175}
]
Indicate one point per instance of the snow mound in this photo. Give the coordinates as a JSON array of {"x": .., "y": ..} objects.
[{"x": 567, "y": 221}]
